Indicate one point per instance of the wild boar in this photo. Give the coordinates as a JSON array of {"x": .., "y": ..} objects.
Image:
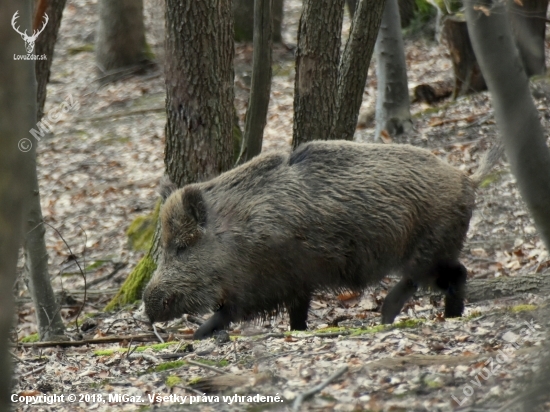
[{"x": 332, "y": 215}]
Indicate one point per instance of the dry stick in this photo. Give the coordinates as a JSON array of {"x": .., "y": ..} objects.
[
  {"x": 156, "y": 333},
  {"x": 32, "y": 371},
  {"x": 98, "y": 341},
  {"x": 77, "y": 263},
  {"x": 210, "y": 368},
  {"x": 316, "y": 389},
  {"x": 117, "y": 267}
]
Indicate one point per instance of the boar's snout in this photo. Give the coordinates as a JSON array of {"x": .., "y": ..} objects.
[{"x": 159, "y": 303}]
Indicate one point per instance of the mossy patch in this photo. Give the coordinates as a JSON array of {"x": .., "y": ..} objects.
[
  {"x": 168, "y": 365},
  {"x": 141, "y": 231},
  {"x": 35, "y": 337},
  {"x": 132, "y": 288},
  {"x": 523, "y": 308},
  {"x": 222, "y": 363},
  {"x": 172, "y": 381},
  {"x": 85, "y": 48},
  {"x": 156, "y": 347},
  {"x": 194, "y": 381},
  {"x": 408, "y": 323},
  {"x": 473, "y": 315}
]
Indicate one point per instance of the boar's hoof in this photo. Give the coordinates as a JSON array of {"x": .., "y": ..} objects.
[{"x": 219, "y": 321}]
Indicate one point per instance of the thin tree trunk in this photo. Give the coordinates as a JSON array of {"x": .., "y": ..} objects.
[
  {"x": 243, "y": 13},
  {"x": 528, "y": 22},
  {"x": 354, "y": 65},
  {"x": 261, "y": 82},
  {"x": 45, "y": 44},
  {"x": 407, "y": 8},
  {"x": 393, "y": 113},
  {"x": 120, "y": 35},
  {"x": 50, "y": 324},
  {"x": 515, "y": 112},
  {"x": 317, "y": 58},
  {"x": 17, "y": 116}
]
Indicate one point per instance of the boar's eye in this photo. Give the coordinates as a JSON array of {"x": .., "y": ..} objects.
[{"x": 181, "y": 249}]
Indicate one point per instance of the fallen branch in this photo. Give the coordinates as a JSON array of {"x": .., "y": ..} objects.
[
  {"x": 316, "y": 389},
  {"x": 99, "y": 341},
  {"x": 204, "y": 366}
]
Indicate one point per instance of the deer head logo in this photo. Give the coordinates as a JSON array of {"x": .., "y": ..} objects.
[{"x": 29, "y": 40}]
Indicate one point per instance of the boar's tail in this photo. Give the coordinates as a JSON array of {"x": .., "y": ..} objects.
[{"x": 488, "y": 161}]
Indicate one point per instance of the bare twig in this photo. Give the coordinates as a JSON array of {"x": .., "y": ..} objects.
[
  {"x": 116, "y": 268},
  {"x": 210, "y": 368},
  {"x": 156, "y": 333},
  {"x": 316, "y": 389}
]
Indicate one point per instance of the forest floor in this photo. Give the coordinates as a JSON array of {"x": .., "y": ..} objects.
[{"x": 100, "y": 170}]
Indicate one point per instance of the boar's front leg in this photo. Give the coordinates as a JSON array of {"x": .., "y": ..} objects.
[
  {"x": 396, "y": 299},
  {"x": 220, "y": 320},
  {"x": 297, "y": 311}
]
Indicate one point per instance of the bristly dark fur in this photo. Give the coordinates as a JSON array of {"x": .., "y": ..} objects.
[{"x": 333, "y": 215}]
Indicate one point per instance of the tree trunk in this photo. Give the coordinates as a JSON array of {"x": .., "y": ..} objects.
[
  {"x": 407, "y": 9},
  {"x": 528, "y": 21},
  {"x": 393, "y": 113},
  {"x": 50, "y": 324},
  {"x": 261, "y": 82},
  {"x": 515, "y": 112},
  {"x": 199, "y": 108},
  {"x": 467, "y": 74},
  {"x": 45, "y": 44},
  {"x": 317, "y": 58},
  {"x": 199, "y": 90},
  {"x": 120, "y": 35},
  {"x": 354, "y": 65},
  {"x": 243, "y": 12},
  {"x": 17, "y": 116}
]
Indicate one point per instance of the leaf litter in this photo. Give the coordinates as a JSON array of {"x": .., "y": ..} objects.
[{"x": 99, "y": 171}]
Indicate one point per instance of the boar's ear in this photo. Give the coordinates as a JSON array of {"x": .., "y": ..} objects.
[
  {"x": 166, "y": 187},
  {"x": 193, "y": 204}
]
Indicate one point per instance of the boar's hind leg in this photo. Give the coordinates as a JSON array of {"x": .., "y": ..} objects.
[
  {"x": 220, "y": 320},
  {"x": 297, "y": 312},
  {"x": 451, "y": 279},
  {"x": 397, "y": 297}
]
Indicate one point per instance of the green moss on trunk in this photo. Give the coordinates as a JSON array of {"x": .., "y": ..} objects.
[
  {"x": 132, "y": 288},
  {"x": 142, "y": 229}
]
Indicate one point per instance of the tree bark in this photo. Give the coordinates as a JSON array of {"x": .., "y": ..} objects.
[
  {"x": 50, "y": 324},
  {"x": 467, "y": 74},
  {"x": 199, "y": 109},
  {"x": 199, "y": 90},
  {"x": 261, "y": 82},
  {"x": 17, "y": 116},
  {"x": 45, "y": 44},
  {"x": 528, "y": 22},
  {"x": 515, "y": 112},
  {"x": 243, "y": 12},
  {"x": 120, "y": 35},
  {"x": 317, "y": 59},
  {"x": 407, "y": 9},
  {"x": 393, "y": 113},
  {"x": 354, "y": 65}
]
